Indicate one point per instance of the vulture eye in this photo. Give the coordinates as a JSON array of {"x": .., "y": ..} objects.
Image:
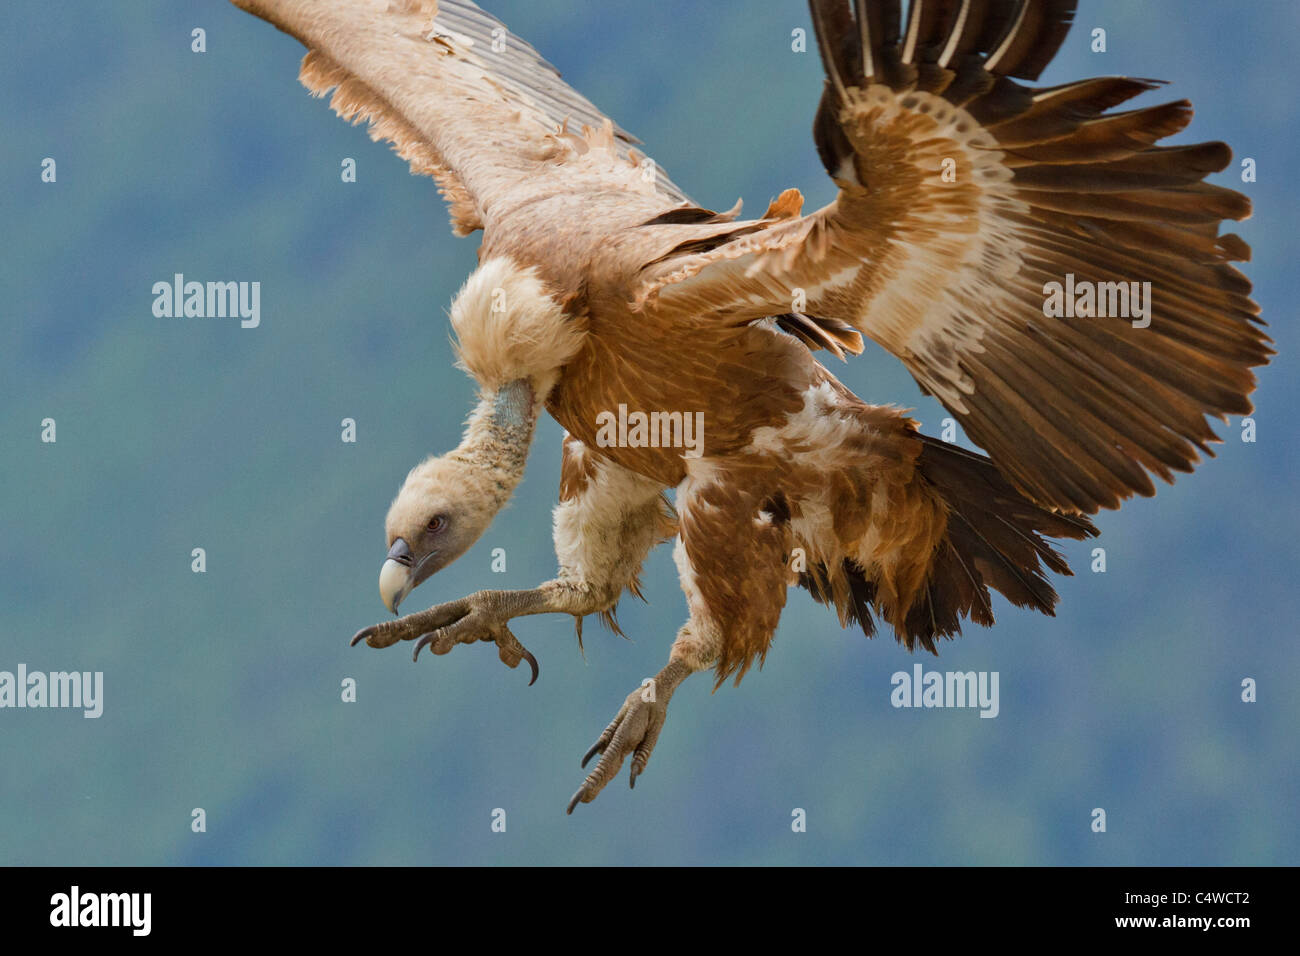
[{"x": 436, "y": 523}]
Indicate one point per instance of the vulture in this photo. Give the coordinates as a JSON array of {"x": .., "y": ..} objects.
[{"x": 1043, "y": 268}]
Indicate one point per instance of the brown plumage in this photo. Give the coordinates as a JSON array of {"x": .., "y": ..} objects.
[{"x": 964, "y": 198}]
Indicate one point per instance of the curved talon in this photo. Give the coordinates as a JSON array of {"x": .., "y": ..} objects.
[
  {"x": 640, "y": 757},
  {"x": 596, "y": 748},
  {"x": 425, "y": 639},
  {"x": 371, "y": 634},
  {"x": 576, "y": 797},
  {"x": 512, "y": 652},
  {"x": 532, "y": 662}
]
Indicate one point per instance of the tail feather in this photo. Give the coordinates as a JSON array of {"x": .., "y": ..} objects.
[{"x": 995, "y": 538}]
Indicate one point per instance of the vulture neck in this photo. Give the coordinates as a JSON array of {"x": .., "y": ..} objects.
[{"x": 498, "y": 436}]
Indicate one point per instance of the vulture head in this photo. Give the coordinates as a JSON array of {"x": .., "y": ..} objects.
[
  {"x": 440, "y": 511},
  {"x": 513, "y": 339}
]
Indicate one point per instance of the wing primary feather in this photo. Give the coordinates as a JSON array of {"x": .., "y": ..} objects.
[
  {"x": 864, "y": 10},
  {"x": 829, "y": 17},
  {"x": 878, "y": 24},
  {"x": 929, "y": 24},
  {"x": 1026, "y": 15},
  {"x": 961, "y": 27},
  {"x": 1033, "y": 36},
  {"x": 917, "y": 12}
]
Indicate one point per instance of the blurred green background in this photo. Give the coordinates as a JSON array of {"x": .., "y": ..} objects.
[{"x": 222, "y": 690}]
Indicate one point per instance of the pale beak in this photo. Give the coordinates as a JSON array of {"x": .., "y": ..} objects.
[{"x": 395, "y": 577}]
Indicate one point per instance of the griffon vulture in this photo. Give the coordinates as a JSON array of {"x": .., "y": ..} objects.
[{"x": 967, "y": 202}]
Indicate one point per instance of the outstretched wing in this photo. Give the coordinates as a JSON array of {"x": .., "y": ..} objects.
[
  {"x": 966, "y": 200},
  {"x": 460, "y": 97}
]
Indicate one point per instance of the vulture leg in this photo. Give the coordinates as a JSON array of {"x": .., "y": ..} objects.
[
  {"x": 735, "y": 595},
  {"x": 634, "y": 730}
]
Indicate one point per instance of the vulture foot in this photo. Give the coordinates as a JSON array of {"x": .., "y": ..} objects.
[
  {"x": 634, "y": 730},
  {"x": 480, "y": 617}
]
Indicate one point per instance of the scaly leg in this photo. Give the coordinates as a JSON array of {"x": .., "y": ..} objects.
[
  {"x": 634, "y": 730},
  {"x": 727, "y": 627}
]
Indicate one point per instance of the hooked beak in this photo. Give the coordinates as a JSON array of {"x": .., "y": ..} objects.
[{"x": 397, "y": 577}]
